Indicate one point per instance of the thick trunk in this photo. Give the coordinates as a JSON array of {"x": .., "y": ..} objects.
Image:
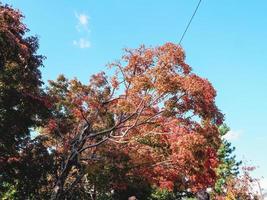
[{"x": 58, "y": 191}]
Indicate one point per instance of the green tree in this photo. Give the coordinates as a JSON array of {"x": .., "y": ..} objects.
[{"x": 229, "y": 166}]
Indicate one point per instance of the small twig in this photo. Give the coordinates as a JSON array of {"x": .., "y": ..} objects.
[{"x": 93, "y": 145}]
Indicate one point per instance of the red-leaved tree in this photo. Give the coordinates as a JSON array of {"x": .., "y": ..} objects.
[
  {"x": 155, "y": 111},
  {"x": 23, "y": 106}
]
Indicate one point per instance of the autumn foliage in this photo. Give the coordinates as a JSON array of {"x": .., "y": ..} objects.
[
  {"x": 154, "y": 111},
  {"x": 151, "y": 126},
  {"x": 23, "y": 106}
]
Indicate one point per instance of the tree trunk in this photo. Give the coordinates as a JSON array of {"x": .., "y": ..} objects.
[
  {"x": 203, "y": 195},
  {"x": 58, "y": 191}
]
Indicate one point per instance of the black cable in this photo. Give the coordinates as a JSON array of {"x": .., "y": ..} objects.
[{"x": 190, "y": 21}]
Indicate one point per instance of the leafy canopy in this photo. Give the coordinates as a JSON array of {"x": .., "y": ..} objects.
[
  {"x": 154, "y": 111},
  {"x": 23, "y": 103}
]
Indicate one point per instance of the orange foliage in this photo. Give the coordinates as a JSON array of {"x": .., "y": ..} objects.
[{"x": 154, "y": 110}]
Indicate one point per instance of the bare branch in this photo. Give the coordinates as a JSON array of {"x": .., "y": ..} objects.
[{"x": 93, "y": 145}]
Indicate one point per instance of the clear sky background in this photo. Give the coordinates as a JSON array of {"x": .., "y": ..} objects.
[{"x": 226, "y": 43}]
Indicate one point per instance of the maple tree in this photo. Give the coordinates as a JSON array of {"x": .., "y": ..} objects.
[
  {"x": 23, "y": 103},
  {"x": 150, "y": 130},
  {"x": 154, "y": 110}
]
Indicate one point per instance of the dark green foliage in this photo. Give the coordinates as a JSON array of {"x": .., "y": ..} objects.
[
  {"x": 228, "y": 165},
  {"x": 135, "y": 187},
  {"x": 27, "y": 174}
]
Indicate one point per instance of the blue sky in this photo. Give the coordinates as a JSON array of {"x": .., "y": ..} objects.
[{"x": 226, "y": 43}]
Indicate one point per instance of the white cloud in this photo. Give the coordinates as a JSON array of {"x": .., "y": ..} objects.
[
  {"x": 233, "y": 135},
  {"x": 83, "y": 22},
  {"x": 83, "y": 30},
  {"x": 83, "y": 19},
  {"x": 82, "y": 43}
]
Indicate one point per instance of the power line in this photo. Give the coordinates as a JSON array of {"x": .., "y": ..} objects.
[{"x": 191, "y": 19}]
